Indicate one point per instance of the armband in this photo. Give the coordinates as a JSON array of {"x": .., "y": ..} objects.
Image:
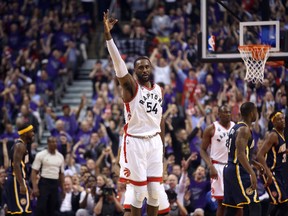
[{"x": 118, "y": 62}]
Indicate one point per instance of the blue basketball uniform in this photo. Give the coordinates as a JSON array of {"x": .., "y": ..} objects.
[
  {"x": 17, "y": 203},
  {"x": 275, "y": 159},
  {"x": 237, "y": 190}
]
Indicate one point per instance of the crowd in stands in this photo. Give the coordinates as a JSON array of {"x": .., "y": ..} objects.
[{"x": 42, "y": 45}]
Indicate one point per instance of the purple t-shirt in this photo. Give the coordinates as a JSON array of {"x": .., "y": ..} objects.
[
  {"x": 198, "y": 193},
  {"x": 53, "y": 67},
  {"x": 84, "y": 136},
  {"x": 43, "y": 85},
  {"x": 70, "y": 124},
  {"x": 10, "y": 136},
  {"x": 14, "y": 40},
  {"x": 61, "y": 38},
  {"x": 83, "y": 26}
]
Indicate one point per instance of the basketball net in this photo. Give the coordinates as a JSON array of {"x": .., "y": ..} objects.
[{"x": 254, "y": 57}]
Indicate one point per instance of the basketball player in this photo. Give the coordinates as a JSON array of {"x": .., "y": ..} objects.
[
  {"x": 239, "y": 178},
  {"x": 16, "y": 189},
  {"x": 274, "y": 147},
  {"x": 141, "y": 151},
  {"x": 164, "y": 206},
  {"x": 215, "y": 136}
]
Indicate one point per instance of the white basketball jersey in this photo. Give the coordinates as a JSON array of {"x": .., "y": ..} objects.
[
  {"x": 143, "y": 114},
  {"x": 219, "y": 151}
]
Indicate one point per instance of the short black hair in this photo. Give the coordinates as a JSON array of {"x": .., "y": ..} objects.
[
  {"x": 246, "y": 108},
  {"x": 139, "y": 58}
]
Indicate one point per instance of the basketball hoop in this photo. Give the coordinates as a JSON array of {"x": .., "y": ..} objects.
[{"x": 254, "y": 57}]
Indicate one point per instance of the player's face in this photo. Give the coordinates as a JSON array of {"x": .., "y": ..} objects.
[
  {"x": 30, "y": 136},
  {"x": 143, "y": 70},
  {"x": 279, "y": 122},
  {"x": 254, "y": 114},
  {"x": 225, "y": 114}
]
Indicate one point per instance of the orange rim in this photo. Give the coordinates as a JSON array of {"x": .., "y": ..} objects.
[
  {"x": 259, "y": 52},
  {"x": 253, "y": 47}
]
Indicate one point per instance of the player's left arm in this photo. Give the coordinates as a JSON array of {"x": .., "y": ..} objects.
[
  {"x": 19, "y": 152},
  {"x": 242, "y": 139}
]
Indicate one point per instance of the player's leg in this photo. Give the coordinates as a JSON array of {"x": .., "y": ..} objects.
[
  {"x": 230, "y": 211},
  {"x": 139, "y": 194},
  {"x": 128, "y": 200},
  {"x": 127, "y": 212},
  {"x": 254, "y": 209},
  {"x": 217, "y": 189},
  {"x": 233, "y": 194},
  {"x": 283, "y": 209},
  {"x": 220, "y": 208},
  {"x": 134, "y": 172},
  {"x": 153, "y": 198},
  {"x": 164, "y": 205},
  {"x": 273, "y": 210},
  {"x": 154, "y": 174}
]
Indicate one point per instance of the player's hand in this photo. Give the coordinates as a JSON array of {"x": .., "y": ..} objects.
[
  {"x": 213, "y": 172},
  {"x": 259, "y": 167},
  {"x": 36, "y": 192},
  {"x": 109, "y": 22},
  {"x": 268, "y": 179},
  {"x": 22, "y": 189},
  {"x": 253, "y": 180}
]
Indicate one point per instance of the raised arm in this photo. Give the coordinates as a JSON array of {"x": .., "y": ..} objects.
[{"x": 127, "y": 82}]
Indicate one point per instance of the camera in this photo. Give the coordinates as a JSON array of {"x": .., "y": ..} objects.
[
  {"x": 171, "y": 194},
  {"x": 108, "y": 191},
  {"x": 208, "y": 111}
]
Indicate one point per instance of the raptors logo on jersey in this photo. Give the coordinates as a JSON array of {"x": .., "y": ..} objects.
[
  {"x": 127, "y": 172},
  {"x": 218, "y": 142},
  {"x": 144, "y": 109}
]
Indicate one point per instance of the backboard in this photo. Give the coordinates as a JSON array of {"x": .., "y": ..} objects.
[{"x": 226, "y": 25}]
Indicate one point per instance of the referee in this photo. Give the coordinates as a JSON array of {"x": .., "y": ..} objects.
[{"x": 50, "y": 164}]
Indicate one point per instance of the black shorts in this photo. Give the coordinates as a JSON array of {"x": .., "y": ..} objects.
[
  {"x": 16, "y": 203},
  {"x": 276, "y": 190},
  {"x": 237, "y": 191}
]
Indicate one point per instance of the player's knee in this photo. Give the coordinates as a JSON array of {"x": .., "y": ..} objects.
[
  {"x": 153, "y": 193},
  {"x": 139, "y": 196},
  {"x": 153, "y": 190}
]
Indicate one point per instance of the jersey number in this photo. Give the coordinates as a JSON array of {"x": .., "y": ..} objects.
[
  {"x": 284, "y": 158},
  {"x": 228, "y": 144},
  {"x": 150, "y": 109}
]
